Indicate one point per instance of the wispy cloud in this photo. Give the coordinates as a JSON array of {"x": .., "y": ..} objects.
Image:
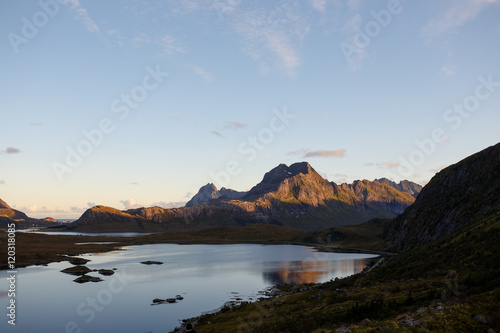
[
  {"x": 231, "y": 125},
  {"x": 326, "y": 153},
  {"x": 83, "y": 16},
  {"x": 306, "y": 152},
  {"x": 217, "y": 134},
  {"x": 10, "y": 150},
  {"x": 234, "y": 125},
  {"x": 202, "y": 73},
  {"x": 354, "y": 4},
  {"x": 171, "y": 204},
  {"x": 458, "y": 13},
  {"x": 170, "y": 45},
  {"x": 319, "y": 5},
  {"x": 132, "y": 204},
  {"x": 448, "y": 70},
  {"x": 388, "y": 164},
  {"x": 272, "y": 37},
  {"x": 356, "y": 58},
  {"x": 2, "y": 182},
  {"x": 301, "y": 151},
  {"x": 39, "y": 210},
  {"x": 339, "y": 178}
]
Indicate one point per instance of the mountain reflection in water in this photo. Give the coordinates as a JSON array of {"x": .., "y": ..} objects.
[{"x": 310, "y": 271}]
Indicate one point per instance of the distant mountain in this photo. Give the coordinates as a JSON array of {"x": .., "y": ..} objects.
[
  {"x": 466, "y": 193},
  {"x": 405, "y": 186},
  {"x": 294, "y": 196},
  {"x": 9, "y": 215},
  {"x": 210, "y": 192}
]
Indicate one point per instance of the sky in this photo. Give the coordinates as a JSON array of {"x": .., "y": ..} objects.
[{"x": 134, "y": 103}]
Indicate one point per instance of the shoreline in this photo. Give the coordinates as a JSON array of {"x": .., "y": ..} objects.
[
  {"x": 43, "y": 248},
  {"x": 69, "y": 248}
]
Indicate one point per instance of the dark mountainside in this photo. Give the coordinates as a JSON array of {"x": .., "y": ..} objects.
[
  {"x": 465, "y": 193},
  {"x": 405, "y": 186},
  {"x": 295, "y": 196},
  {"x": 9, "y": 215},
  {"x": 445, "y": 278}
]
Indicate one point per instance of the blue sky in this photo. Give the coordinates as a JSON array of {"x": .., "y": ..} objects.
[{"x": 139, "y": 103}]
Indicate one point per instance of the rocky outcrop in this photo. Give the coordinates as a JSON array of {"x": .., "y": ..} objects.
[
  {"x": 465, "y": 193},
  {"x": 405, "y": 186},
  {"x": 210, "y": 192}
]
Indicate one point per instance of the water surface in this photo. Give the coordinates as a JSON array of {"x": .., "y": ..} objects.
[{"x": 206, "y": 276}]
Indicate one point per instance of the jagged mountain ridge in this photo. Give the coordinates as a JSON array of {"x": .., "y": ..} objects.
[
  {"x": 210, "y": 192},
  {"x": 403, "y": 186},
  {"x": 465, "y": 193},
  {"x": 294, "y": 196}
]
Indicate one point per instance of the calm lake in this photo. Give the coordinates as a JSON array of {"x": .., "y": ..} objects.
[{"x": 206, "y": 276}]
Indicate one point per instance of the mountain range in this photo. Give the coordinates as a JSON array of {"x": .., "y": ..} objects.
[{"x": 293, "y": 196}]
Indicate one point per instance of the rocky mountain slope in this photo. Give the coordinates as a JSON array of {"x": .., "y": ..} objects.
[
  {"x": 405, "y": 186},
  {"x": 294, "y": 196},
  {"x": 210, "y": 192},
  {"x": 467, "y": 192}
]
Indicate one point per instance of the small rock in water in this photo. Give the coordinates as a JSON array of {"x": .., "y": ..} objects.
[
  {"x": 179, "y": 297},
  {"x": 106, "y": 272},
  {"x": 77, "y": 270},
  {"x": 171, "y": 300},
  {"x": 87, "y": 278},
  {"x": 151, "y": 262},
  {"x": 79, "y": 261}
]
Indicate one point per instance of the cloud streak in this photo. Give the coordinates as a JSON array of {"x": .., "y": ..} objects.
[
  {"x": 10, "y": 150},
  {"x": 201, "y": 73},
  {"x": 389, "y": 165},
  {"x": 132, "y": 204},
  {"x": 271, "y": 37},
  {"x": 83, "y": 16},
  {"x": 234, "y": 125},
  {"x": 306, "y": 153},
  {"x": 326, "y": 153},
  {"x": 458, "y": 13},
  {"x": 217, "y": 134}
]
